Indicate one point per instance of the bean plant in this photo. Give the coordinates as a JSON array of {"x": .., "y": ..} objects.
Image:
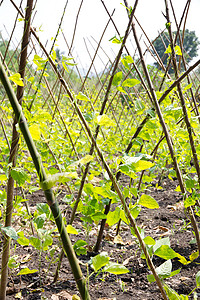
[{"x": 95, "y": 146}]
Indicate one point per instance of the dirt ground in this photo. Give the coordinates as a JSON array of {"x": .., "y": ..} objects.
[{"x": 168, "y": 221}]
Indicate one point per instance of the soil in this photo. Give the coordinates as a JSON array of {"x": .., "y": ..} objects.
[{"x": 167, "y": 221}]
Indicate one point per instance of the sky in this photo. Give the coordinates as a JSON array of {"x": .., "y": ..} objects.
[{"x": 91, "y": 24}]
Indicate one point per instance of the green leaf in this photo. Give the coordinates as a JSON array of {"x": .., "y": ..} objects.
[
  {"x": 134, "y": 164},
  {"x": 39, "y": 221},
  {"x": 16, "y": 78},
  {"x": 12, "y": 263},
  {"x": 98, "y": 216},
  {"x": 175, "y": 272},
  {"x": 185, "y": 297},
  {"x": 129, "y": 160},
  {"x": 53, "y": 55},
  {"x": 168, "y": 25},
  {"x": 129, "y": 59},
  {"x": 151, "y": 278},
  {"x": 100, "y": 261},
  {"x": 104, "y": 120},
  {"x": 39, "y": 61},
  {"x": 178, "y": 50},
  {"x": 149, "y": 240},
  {"x": 67, "y": 59},
  {"x": 115, "y": 40},
  {"x": 194, "y": 255},
  {"x": 88, "y": 189},
  {"x": 164, "y": 269},
  {"x": 189, "y": 201},
  {"x": 143, "y": 165},
  {"x": 22, "y": 240},
  {"x": 35, "y": 132},
  {"x": 148, "y": 201},
  {"x": 121, "y": 90},
  {"x": 113, "y": 216},
  {"x": 27, "y": 271},
  {"x": 106, "y": 192},
  {"x": 139, "y": 106},
  {"x": 65, "y": 66},
  {"x": 130, "y": 82},
  {"x": 127, "y": 170},
  {"x": 43, "y": 208},
  {"x": 35, "y": 242},
  {"x": 82, "y": 97},
  {"x": 135, "y": 211},
  {"x": 31, "y": 79},
  {"x": 10, "y": 231},
  {"x": 123, "y": 217},
  {"x": 47, "y": 241},
  {"x": 19, "y": 175},
  {"x": 57, "y": 178},
  {"x": 173, "y": 295},
  {"x": 168, "y": 50},
  {"x": 115, "y": 268},
  {"x": 166, "y": 252},
  {"x": 3, "y": 177},
  {"x": 188, "y": 86},
  {"x": 71, "y": 229},
  {"x": 182, "y": 259},
  {"x": 79, "y": 247},
  {"x": 86, "y": 159},
  {"x": 42, "y": 115},
  {"x": 198, "y": 279},
  {"x": 117, "y": 79}
]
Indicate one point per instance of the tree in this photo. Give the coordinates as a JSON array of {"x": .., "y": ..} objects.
[
  {"x": 11, "y": 59},
  {"x": 190, "y": 45}
]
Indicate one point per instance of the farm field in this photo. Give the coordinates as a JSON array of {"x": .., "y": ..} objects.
[
  {"x": 99, "y": 170},
  {"x": 167, "y": 223}
]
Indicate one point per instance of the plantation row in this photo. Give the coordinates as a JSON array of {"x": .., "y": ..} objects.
[{"x": 104, "y": 141}]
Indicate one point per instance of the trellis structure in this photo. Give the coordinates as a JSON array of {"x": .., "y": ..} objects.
[{"x": 100, "y": 126}]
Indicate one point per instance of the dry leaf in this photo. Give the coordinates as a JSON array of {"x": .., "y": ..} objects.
[
  {"x": 26, "y": 258},
  {"x": 63, "y": 295},
  {"x": 162, "y": 228},
  {"x": 95, "y": 180},
  {"x": 177, "y": 206},
  {"x": 180, "y": 205},
  {"x": 118, "y": 240},
  {"x": 13, "y": 290},
  {"x": 172, "y": 207},
  {"x": 126, "y": 261},
  {"x": 109, "y": 237},
  {"x": 106, "y": 299},
  {"x": 178, "y": 222},
  {"x": 184, "y": 278},
  {"x": 93, "y": 232},
  {"x": 157, "y": 228},
  {"x": 54, "y": 297}
]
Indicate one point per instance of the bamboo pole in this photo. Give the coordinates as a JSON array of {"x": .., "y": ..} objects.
[{"x": 13, "y": 153}]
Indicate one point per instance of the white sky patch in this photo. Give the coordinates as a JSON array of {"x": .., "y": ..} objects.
[{"x": 91, "y": 24}]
